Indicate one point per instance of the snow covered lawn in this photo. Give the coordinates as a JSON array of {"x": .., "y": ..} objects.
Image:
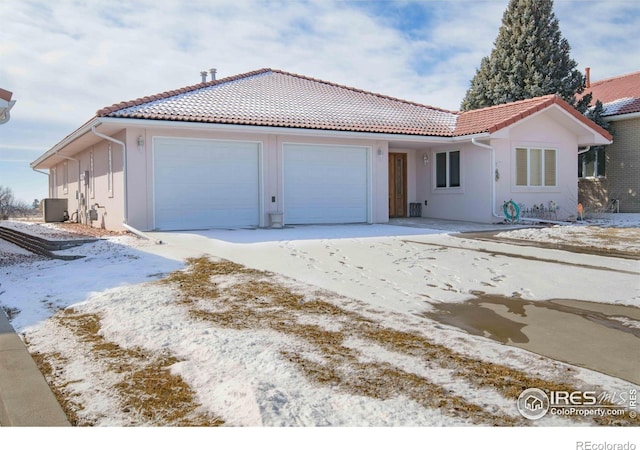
[{"x": 322, "y": 331}]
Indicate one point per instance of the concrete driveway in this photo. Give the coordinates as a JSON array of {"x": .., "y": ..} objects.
[{"x": 413, "y": 270}]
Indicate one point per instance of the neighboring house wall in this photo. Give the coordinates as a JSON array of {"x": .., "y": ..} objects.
[{"x": 622, "y": 174}]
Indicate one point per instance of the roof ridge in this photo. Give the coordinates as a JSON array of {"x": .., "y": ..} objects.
[
  {"x": 362, "y": 91},
  {"x": 166, "y": 94},
  {"x": 510, "y": 104}
]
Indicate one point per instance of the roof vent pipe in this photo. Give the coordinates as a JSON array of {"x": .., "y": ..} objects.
[
  {"x": 203, "y": 74},
  {"x": 213, "y": 74},
  {"x": 587, "y": 72}
]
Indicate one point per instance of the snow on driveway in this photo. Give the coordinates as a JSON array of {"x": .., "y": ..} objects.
[{"x": 383, "y": 275}]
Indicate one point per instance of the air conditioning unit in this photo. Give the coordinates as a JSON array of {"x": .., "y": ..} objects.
[{"x": 55, "y": 209}]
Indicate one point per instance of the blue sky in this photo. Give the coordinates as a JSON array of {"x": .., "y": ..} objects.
[{"x": 64, "y": 60}]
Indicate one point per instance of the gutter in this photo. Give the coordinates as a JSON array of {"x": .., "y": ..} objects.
[
  {"x": 125, "y": 193},
  {"x": 48, "y": 176},
  {"x": 621, "y": 117},
  {"x": 66, "y": 141},
  {"x": 262, "y": 129}
]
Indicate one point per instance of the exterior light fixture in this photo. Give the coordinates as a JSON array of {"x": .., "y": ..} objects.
[
  {"x": 140, "y": 143},
  {"x": 425, "y": 159},
  {"x": 379, "y": 152}
]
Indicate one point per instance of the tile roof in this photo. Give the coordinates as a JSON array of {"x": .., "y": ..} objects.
[
  {"x": 619, "y": 95},
  {"x": 494, "y": 118},
  {"x": 274, "y": 98},
  {"x": 279, "y": 99}
]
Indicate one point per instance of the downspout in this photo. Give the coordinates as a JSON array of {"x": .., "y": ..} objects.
[
  {"x": 48, "y": 176},
  {"x": 474, "y": 141},
  {"x": 124, "y": 176},
  {"x": 586, "y": 149}
]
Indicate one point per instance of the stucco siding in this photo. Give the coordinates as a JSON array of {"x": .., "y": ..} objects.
[
  {"x": 539, "y": 132},
  {"x": 140, "y": 169}
]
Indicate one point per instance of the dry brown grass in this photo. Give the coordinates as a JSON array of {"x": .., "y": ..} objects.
[
  {"x": 149, "y": 394},
  {"x": 228, "y": 295},
  {"x": 49, "y": 365},
  {"x": 251, "y": 299}
]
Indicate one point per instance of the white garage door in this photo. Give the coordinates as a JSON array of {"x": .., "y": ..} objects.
[
  {"x": 205, "y": 184},
  {"x": 325, "y": 184}
]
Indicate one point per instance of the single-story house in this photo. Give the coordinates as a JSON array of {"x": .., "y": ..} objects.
[
  {"x": 611, "y": 177},
  {"x": 237, "y": 151}
]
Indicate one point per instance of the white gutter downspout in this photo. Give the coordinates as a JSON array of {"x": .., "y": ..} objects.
[
  {"x": 124, "y": 176},
  {"x": 48, "y": 176},
  {"x": 493, "y": 188},
  {"x": 586, "y": 149},
  {"x": 474, "y": 141}
]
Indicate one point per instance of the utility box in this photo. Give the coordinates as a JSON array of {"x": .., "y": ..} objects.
[{"x": 55, "y": 209}]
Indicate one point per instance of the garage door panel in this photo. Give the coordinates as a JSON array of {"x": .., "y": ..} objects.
[
  {"x": 325, "y": 184},
  {"x": 205, "y": 184}
]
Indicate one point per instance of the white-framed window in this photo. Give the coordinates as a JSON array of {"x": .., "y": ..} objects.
[
  {"x": 65, "y": 177},
  {"x": 110, "y": 171},
  {"x": 536, "y": 167},
  {"x": 54, "y": 184},
  {"x": 592, "y": 164},
  {"x": 447, "y": 170},
  {"x": 92, "y": 180}
]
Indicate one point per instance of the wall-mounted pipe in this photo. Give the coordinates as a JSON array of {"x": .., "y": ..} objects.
[
  {"x": 474, "y": 141},
  {"x": 124, "y": 169},
  {"x": 125, "y": 192}
]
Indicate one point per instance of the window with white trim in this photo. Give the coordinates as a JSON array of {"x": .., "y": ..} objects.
[
  {"x": 536, "y": 167},
  {"x": 65, "y": 177},
  {"x": 447, "y": 169},
  {"x": 592, "y": 164},
  {"x": 110, "y": 171},
  {"x": 92, "y": 180}
]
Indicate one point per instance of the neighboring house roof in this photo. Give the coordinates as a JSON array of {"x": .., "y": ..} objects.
[
  {"x": 619, "y": 95},
  {"x": 274, "y": 98}
]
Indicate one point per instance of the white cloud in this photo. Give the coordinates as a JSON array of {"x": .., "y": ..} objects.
[{"x": 64, "y": 60}]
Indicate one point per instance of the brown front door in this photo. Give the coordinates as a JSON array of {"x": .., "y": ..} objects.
[{"x": 397, "y": 185}]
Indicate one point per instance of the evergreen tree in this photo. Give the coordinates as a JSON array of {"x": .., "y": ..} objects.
[{"x": 530, "y": 58}]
